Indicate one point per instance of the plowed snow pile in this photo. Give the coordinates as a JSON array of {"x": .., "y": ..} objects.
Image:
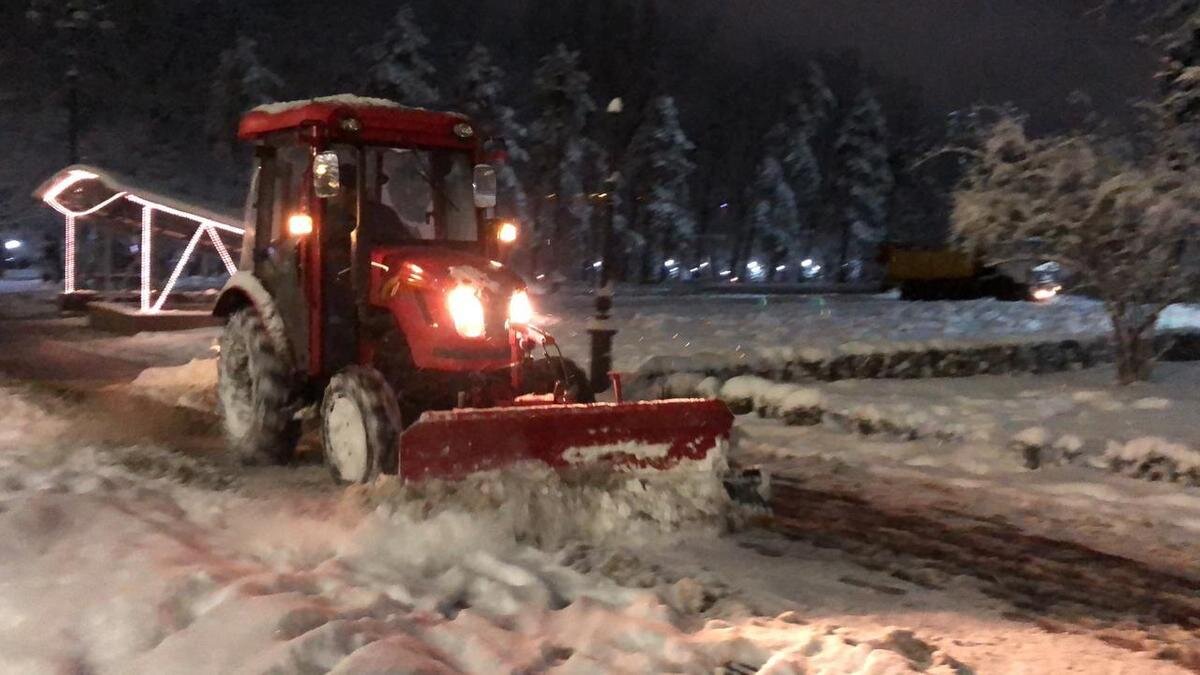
[{"x": 109, "y": 564}]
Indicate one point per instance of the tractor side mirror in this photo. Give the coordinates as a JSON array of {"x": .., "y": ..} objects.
[
  {"x": 327, "y": 175},
  {"x": 485, "y": 186}
]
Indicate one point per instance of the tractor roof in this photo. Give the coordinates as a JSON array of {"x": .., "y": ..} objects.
[{"x": 380, "y": 120}]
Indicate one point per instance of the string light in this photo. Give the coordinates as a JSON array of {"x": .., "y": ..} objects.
[
  {"x": 183, "y": 261},
  {"x": 50, "y": 197},
  {"x": 221, "y": 250},
  {"x": 205, "y": 225},
  {"x": 69, "y": 256},
  {"x": 147, "y": 261}
]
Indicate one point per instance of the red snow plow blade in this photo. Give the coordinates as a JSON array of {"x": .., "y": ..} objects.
[{"x": 652, "y": 435}]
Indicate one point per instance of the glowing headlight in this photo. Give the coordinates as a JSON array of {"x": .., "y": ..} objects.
[
  {"x": 1044, "y": 294},
  {"x": 300, "y": 224},
  {"x": 507, "y": 233},
  {"x": 520, "y": 309},
  {"x": 466, "y": 309}
]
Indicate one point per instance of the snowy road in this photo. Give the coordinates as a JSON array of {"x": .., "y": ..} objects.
[{"x": 130, "y": 538}]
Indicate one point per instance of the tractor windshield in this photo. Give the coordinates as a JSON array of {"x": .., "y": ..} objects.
[{"x": 410, "y": 194}]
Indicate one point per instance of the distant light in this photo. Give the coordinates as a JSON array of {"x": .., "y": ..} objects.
[
  {"x": 615, "y": 106},
  {"x": 735, "y": 280},
  {"x": 12, "y": 245},
  {"x": 753, "y": 264},
  {"x": 703, "y": 265},
  {"x": 726, "y": 273},
  {"x": 807, "y": 262},
  {"x": 598, "y": 264},
  {"x": 695, "y": 270},
  {"x": 541, "y": 276},
  {"x": 725, "y": 205},
  {"x": 669, "y": 263},
  {"x": 781, "y": 268}
]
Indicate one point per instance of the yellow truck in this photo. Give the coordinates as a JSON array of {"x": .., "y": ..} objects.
[{"x": 950, "y": 274}]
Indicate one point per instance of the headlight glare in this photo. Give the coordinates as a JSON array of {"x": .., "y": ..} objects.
[
  {"x": 520, "y": 309},
  {"x": 466, "y": 309}
]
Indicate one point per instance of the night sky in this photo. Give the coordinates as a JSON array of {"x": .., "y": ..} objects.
[{"x": 1032, "y": 52}]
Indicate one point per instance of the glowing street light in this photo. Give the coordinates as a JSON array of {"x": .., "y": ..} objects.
[{"x": 12, "y": 245}]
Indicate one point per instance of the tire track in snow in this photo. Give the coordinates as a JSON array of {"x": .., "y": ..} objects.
[{"x": 1060, "y": 586}]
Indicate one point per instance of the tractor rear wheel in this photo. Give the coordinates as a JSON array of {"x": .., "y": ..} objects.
[
  {"x": 255, "y": 393},
  {"x": 360, "y": 426}
]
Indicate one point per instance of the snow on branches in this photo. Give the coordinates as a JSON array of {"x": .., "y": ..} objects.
[
  {"x": 864, "y": 179},
  {"x": 1124, "y": 227},
  {"x": 561, "y": 154},
  {"x": 241, "y": 82},
  {"x": 397, "y": 70},
  {"x": 660, "y": 167},
  {"x": 479, "y": 92}
]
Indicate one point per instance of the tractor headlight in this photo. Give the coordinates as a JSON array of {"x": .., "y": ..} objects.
[
  {"x": 466, "y": 309},
  {"x": 520, "y": 309},
  {"x": 507, "y": 232}
]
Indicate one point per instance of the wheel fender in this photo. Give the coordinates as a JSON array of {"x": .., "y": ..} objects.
[{"x": 244, "y": 289}]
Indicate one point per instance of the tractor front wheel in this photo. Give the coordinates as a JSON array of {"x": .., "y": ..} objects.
[
  {"x": 255, "y": 393},
  {"x": 360, "y": 426}
]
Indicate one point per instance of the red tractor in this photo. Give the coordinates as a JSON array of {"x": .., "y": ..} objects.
[{"x": 371, "y": 283}]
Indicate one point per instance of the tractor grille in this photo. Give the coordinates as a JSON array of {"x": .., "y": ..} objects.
[{"x": 495, "y": 309}]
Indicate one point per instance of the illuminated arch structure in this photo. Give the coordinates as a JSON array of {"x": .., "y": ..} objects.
[{"x": 81, "y": 191}]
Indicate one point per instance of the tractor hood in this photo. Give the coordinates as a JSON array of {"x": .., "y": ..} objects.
[
  {"x": 415, "y": 284},
  {"x": 433, "y": 269}
]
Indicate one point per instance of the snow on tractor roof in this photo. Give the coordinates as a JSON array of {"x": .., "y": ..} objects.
[
  {"x": 377, "y": 120},
  {"x": 348, "y": 100}
]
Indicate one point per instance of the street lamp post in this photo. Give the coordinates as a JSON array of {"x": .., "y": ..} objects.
[{"x": 600, "y": 328}]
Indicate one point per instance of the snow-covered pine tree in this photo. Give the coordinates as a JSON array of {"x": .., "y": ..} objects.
[
  {"x": 774, "y": 216},
  {"x": 479, "y": 92},
  {"x": 1179, "y": 77},
  {"x": 396, "y": 67},
  {"x": 864, "y": 180},
  {"x": 559, "y": 152},
  {"x": 818, "y": 99},
  {"x": 660, "y": 170},
  {"x": 240, "y": 83},
  {"x": 791, "y": 145}
]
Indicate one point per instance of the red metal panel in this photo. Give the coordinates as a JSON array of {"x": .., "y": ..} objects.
[
  {"x": 380, "y": 124},
  {"x": 456, "y": 443}
]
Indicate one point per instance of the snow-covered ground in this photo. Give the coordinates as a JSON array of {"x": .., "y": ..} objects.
[
  {"x": 144, "y": 559},
  {"x": 133, "y": 543},
  {"x": 747, "y": 326},
  {"x": 119, "y": 560},
  {"x": 1077, "y": 417}
]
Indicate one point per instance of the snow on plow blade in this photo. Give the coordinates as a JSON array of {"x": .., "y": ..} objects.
[{"x": 651, "y": 435}]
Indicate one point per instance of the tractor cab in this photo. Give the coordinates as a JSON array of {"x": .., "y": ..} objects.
[{"x": 351, "y": 194}]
